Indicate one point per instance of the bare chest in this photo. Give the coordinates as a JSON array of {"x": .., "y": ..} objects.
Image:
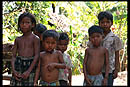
[
  {"x": 50, "y": 59},
  {"x": 96, "y": 54},
  {"x": 25, "y": 43}
]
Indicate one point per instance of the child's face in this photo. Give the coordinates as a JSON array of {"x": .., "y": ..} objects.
[
  {"x": 96, "y": 39},
  {"x": 26, "y": 24},
  {"x": 62, "y": 45},
  {"x": 105, "y": 24},
  {"x": 49, "y": 44}
]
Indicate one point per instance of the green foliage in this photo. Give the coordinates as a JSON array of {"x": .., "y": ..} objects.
[{"x": 81, "y": 16}]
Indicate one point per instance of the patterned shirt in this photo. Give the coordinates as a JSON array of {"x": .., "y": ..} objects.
[
  {"x": 63, "y": 73},
  {"x": 113, "y": 43}
]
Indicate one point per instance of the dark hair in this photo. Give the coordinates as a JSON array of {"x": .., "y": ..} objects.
[
  {"x": 26, "y": 14},
  {"x": 105, "y": 14},
  {"x": 95, "y": 29},
  {"x": 50, "y": 33},
  {"x": 63, "y": 36},
  {"x": 40, "y": 28}
]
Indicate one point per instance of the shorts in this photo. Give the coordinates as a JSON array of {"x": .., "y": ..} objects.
[
  {"x": 21, "y": 65},
  {"x": 43, "y": 83},
  {"x": 96, "y": 80}
]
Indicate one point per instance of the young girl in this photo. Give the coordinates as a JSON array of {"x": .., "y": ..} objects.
[
  {"x": 26, "y": 52},
  {"x": 65, "y": 75}
]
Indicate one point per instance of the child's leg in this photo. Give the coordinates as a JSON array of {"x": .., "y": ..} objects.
[{"x": 110, "y": 79}]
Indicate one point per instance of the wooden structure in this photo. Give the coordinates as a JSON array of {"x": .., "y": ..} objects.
[{"x": 7, "y": 56}]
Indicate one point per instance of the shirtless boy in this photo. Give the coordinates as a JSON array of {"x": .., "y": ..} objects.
[
  {"x": 95, "y": 58},
  {"x": 50, "y": 61}
]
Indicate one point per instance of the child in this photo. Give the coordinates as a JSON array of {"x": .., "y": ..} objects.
[
  {"x": 94, "y": 59},
  {"x": 50, "y": 60},
  {"x": 25, "y": 52},
  {"x": 112, "y": 42},
  {"x": 40, "y": 28},
  {"x": 65, "y": 75}
]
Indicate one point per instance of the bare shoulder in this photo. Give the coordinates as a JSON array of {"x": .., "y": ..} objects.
[
  {"x": 87, "y": 49},
  {"x": 58, "y": 52},
  {"x": 104, "y": 49},
  {"x": 42, "y": 53},
  {"x": 18, "y": 38},
  {"x": 35, "y": 37}
]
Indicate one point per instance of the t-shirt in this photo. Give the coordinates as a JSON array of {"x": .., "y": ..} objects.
[{"x": 63, "y": 73}]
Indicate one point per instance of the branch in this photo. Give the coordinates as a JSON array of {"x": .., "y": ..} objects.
[{"x": 5, "y": 14}]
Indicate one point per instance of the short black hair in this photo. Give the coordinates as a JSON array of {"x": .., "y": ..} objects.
[
  {"x": 40, "y": 28},
  {"x": 105, "y": 14},
  {"x": 63, "y": 36},
  {"x": 26, "y": 14},
  {"x": 50, "y": 33},
  {"x": 95, "y": 29}
]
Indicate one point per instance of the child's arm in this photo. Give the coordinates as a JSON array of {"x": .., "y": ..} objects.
[
  {"x": 37, "y": 74},
  {"x": 117, "y": 64},
  {"x": 69, "y": 67},
  {"x": 37, "y": 53},
  {"x": 70, "y": 76},
  {"x": 106, "y": 67},
  {"x": 61, "y": 64},
  {"x": 118, "y": 45},
  {"x": 107, "y": 63},
  {"x": 84, "y": 67},
  {"x": 14, "y": 52}
]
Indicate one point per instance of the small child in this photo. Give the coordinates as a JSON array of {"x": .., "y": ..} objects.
[
  {"x": 94, "y": 59},
  {"x": 40, "y": 28},
  {"x": 50, "y": 61},
  {"x": 65, "y": 75},
  {"x": 25, "y": 52}
]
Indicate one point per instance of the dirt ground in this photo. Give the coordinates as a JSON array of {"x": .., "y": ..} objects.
[{"x": 77, "y": 80}]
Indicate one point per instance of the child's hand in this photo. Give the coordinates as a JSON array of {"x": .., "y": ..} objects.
[
  {"x": 17, "y": 75},
  {"x": 115, "y": 74},
  {"x": 35, "y": 84},
  {"x": 104, "y": 82},
  {"x": 51, "y": 67},
  {"x": 25, "y": 74}
]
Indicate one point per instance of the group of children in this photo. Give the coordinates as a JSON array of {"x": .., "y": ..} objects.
[{"x": 39, "y": 57}]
